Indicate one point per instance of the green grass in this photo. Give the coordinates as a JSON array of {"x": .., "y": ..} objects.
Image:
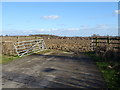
[
  {"x": 5, "y": 58},
  {"x": 110, "y": 74}
]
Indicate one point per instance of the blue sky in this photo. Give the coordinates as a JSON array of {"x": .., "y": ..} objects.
[{"x": 60, "y": 18}]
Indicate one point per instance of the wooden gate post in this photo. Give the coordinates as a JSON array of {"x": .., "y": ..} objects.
[
  {"x": 92, "y": 45},
  {"x": 17, "y": 39},
  {"x": 108, "y": 40},
  {"x": 96, "y": 41}
]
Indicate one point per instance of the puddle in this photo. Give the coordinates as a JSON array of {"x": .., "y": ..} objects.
[{"x": 49, "y": 70}]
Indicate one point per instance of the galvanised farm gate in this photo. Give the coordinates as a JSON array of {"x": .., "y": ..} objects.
[{"x": 29, "y": 47}]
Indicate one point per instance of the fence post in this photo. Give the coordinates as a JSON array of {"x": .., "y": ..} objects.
[
  {"x": 96, "y": 41},
  {"x": 108, "y": 40},
  {"x": 36, "y": 37},
  {"x": 17, "y": 38},
  {"x": 92, "y": 45}
]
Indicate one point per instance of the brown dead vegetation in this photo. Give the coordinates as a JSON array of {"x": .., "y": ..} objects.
[{"x": 72, "y": 44}]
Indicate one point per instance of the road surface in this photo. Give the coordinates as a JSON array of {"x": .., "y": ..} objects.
[{"x": 52, "y": 71}]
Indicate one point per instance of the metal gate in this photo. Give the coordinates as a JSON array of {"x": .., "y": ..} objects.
[{"x": 29, "y": 47}]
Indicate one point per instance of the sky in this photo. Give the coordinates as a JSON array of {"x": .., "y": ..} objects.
[{"x": 60, "y": 18}]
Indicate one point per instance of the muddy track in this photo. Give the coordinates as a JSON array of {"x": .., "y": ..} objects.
[{"x": 52, "y": 71}]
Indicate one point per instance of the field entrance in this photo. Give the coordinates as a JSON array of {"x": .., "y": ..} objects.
[
  {"x": 29, "y": 47},
  {"x": 57, "y": 69}
]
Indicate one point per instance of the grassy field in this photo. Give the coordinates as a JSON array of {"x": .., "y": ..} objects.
[
  {"x": 110, "y": 73},
  {"x": 5, "y": 58}
]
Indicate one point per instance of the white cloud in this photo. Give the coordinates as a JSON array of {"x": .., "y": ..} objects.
[
  {"x": 40, "y": 30},
  {"x": 84, "y": 26},
  {"x": 44, "y": 30},
  {"x": 102, "y": 26},
  {"x": 56, "y": 29},
  {"x": 117, "y": 11},
  {"x": 51, "y": 17},
  {"x": 28, "y": 31},
  {"x": 72, "y": 29}
]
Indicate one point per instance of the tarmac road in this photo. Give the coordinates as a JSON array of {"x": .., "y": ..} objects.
[{"x": 52, "y": 71}]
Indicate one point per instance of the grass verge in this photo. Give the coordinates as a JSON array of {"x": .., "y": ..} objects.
[
  {"x": 110, "y": 73},
  {"x": 5, "y": 58}
]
